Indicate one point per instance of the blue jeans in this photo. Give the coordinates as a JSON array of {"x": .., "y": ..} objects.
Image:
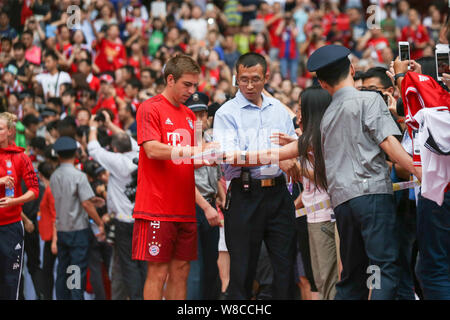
[
  {"x": 203, "y": 279},
  {"x": 433, "y": 239},
  {"x": 289, "y": 67},
  {"x": 368, "y": 237},
  {"x": 73, "y": 252}
]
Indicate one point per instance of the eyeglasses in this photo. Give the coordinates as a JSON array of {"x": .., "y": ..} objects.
[
  {"x": 246, "y": 81},
  {"x": 371, "y": 88}
]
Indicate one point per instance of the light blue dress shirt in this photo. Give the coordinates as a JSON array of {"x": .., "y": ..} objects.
[{"x": 239, "y": 125}]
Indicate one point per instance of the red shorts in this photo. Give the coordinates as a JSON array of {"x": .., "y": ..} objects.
[{"x": 163, "y": 241}]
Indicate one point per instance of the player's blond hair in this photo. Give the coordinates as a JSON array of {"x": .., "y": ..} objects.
[{"x": 10, "y": 118}]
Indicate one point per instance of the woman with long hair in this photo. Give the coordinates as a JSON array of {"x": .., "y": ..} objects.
[{"x": 15, "y": 166}]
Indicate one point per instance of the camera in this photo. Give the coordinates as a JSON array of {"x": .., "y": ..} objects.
[
  {"x": 130, "y": 189},
  {"x": 99, "y": 116},
  {"x": 111, "y": 233}
]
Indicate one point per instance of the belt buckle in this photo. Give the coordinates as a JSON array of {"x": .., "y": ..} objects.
[{"x": 267, "y": 183}]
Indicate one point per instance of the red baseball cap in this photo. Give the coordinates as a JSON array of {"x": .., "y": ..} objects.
[{"x": 107, "y": 78}]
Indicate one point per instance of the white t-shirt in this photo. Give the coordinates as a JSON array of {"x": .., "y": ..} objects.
[
  {"x": 197, "y": 28},
  {"x": 312, "y": 195},
  {"x": 52, "y": 83}
]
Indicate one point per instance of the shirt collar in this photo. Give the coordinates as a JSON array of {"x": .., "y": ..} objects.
[
  {"x": 243, "y": 102},
  {"x": 343, "y": 91}
]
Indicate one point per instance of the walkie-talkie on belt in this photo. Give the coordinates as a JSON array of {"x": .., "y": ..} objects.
[{"x": 245, "y": 177}]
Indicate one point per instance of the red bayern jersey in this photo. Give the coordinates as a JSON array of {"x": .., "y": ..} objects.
[
  {"x": 166, "y": 188},
  {"x": 421, "y": 91}
]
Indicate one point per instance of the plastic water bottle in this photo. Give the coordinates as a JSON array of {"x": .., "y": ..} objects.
[
  {"x": 94, "y": 228},
  {"x": 9, "y": 192}
]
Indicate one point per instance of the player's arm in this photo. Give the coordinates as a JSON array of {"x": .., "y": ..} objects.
[
  {"x": 159, "y": 151},
  {"x": 211, "y": 214}
]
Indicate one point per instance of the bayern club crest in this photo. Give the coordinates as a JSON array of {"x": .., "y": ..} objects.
[
  {"x": 153, "y": 250},
  {"x": 191, "y": 124}
]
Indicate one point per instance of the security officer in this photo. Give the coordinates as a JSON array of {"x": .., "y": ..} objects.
[
  {"x": 259, "y": 206},
  {"x": 73, "y": 194},
  {"x": 203, "y": 280},
  {"x": 357, "y": 129}
]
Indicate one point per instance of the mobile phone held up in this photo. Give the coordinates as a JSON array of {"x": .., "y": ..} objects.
[
  {"x": 403, "y": 51},
  {"x": 442, "y": 60}
]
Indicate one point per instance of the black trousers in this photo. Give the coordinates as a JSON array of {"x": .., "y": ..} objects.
[
  {"x": 11, "y": 259},
  {"x": 262, "y": 214},
  {"x": 100, "y": 254},
  {"x": 48, "y": 270},
  {"x": 133, "y": 272},
  {"x": 33, "y": 252}
]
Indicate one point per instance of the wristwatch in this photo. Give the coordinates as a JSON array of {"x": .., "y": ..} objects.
[
  {"x": 398, "y": 75},
  {"x": 243, "y": 156}
]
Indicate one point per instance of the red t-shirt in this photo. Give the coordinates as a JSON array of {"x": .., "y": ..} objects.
[
  {"x": 166, "y": 188},
  {"x": 420, "y": 35},
  {"x": 108, "y": 103},
  {"x": 378, "y": 44},
  {"x": 111, "y": 49},
  {"x": 47, "y": 215}
]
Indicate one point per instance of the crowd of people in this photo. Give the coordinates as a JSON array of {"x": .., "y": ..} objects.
[{"x": 87, "y": 92}]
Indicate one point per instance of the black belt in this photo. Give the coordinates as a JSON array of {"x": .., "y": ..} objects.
[{"x": 265, "y": 183}]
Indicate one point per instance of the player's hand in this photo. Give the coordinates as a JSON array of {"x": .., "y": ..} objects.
[
  {"x": 29, "y": 226},
  {"x": 8, "y": 181},
  {"x": 281, "y": 138},
  {"x": 212, "y": 216},
  {"x": 7, "y": 202},
  {"x": 54, "y": 247}
]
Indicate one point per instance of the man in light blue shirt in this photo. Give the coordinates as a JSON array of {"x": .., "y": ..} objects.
[{"x": 259, "y": 206}]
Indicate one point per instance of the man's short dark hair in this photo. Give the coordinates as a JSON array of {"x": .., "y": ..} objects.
[
  {"x": 67, "y": 154},
  {"x": 135, "y": 83},
  {"x": 88, "y": 61},
  {"x": 52, "y": 125},
  {"x": 67, "y": 127},
  {"x": 27, "y": 32},
  {"x": 334, "y": 73},
  {"x": 30, "y": 119},
  {"x": 70, "y": 92},
  {"x": 380, "y": 73},
  {"x": 358, "y": 75},
  {"x": 129, "y": 69},
  {"x": 251, "y": 59},
  {"x": 19, "y": 46},
  {"x": 38, "y": 143},
  {"x": 121, "y": 141},
  {"x": 51, "y": 54},
  {"x": 46, "y": 169},
  {"x": 55, "y": 100}
]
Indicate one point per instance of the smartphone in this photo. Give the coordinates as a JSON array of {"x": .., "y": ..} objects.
[
  {"x": 442, "y": 61},
  {"x": 403, "y": 50}
]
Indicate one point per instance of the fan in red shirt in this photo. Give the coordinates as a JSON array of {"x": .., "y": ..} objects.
[
  {"x": 416, "y": 34},
  {"x": 111, "y": 53},
  {"x": 165, "y": 229},
  {"x": 107, "y": 97}
]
